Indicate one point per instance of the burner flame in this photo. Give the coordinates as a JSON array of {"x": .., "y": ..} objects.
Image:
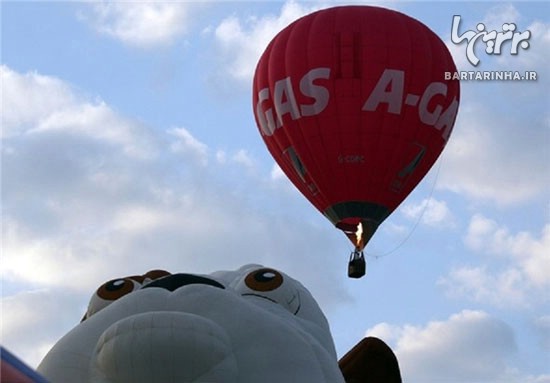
[{"x": 359, "y": 236}]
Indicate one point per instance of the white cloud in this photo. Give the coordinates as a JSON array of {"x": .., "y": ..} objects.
[
  {"x": 35, "y": 104},
  {"x": 498, "y": 151},
  {"x": 26, "y": 314},
  {"x": 187, "y": 144},
  {"x": 21, "y": 91},
  {"x": 277, "y": 173},
  {"x": 141, "y": 219},
  {"x": 516, "y": 275},
  {"x": 243, "y": 41},
  {"x": 282, "y": 183},
  {"x": 470, "y": 346},
  {"x": 499, "y": 14},
  {"x": 37, "y": 261},
  {"x": 142, "y": 24},
  {"x": 526, "y": 252},
  {"x": 538, "y": 53},
  {"x": 492, "y": 157},
  {"x": 431, "y": 212},
  {"x": 503, "y": 288},
  {"x": 243, "y": 158},
  {"x": 80, "y": 209}
]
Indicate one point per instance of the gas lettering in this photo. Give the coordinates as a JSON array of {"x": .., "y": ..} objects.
[
  {"x": 389, "y": 93},
  {"x": 390, "y": 90},
  {"x": 270, "y": 111}
]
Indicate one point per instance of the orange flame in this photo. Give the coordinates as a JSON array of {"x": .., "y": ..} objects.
[{"x": 359, "y": 235}]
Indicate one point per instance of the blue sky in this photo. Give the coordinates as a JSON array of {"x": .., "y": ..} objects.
[{"x": 129, "y": 143}]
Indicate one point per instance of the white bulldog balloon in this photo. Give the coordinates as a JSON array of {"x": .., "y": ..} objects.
[{"x": 251, "y": 325}]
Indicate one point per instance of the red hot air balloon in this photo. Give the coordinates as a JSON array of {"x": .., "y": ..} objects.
[{"x": 353, "y": 104}]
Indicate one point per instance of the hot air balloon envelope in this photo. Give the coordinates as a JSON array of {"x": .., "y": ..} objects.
[{"x": 353, "y": 104}]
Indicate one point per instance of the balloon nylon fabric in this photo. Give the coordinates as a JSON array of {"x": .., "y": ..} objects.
[{"x": 352, "y": 104}]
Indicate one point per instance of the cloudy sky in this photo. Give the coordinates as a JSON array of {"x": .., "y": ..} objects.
[{"x": 129, "y": 143}]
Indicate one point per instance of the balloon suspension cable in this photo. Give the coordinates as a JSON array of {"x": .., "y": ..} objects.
[{"x": 413, "y": 229}]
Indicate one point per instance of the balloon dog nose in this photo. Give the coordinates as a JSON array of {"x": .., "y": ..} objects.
[{"x": 175, "y": 281}]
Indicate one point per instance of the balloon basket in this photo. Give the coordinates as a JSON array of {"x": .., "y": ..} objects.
[{"x": 356, "y": 265}]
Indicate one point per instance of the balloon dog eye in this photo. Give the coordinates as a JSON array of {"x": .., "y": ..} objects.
[
  {"x": 264, "y": 280},
  {"x": 116, "y": 288}
]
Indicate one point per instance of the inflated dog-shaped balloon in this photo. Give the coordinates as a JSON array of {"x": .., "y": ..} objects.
[{"x": 251, "y": 325}]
